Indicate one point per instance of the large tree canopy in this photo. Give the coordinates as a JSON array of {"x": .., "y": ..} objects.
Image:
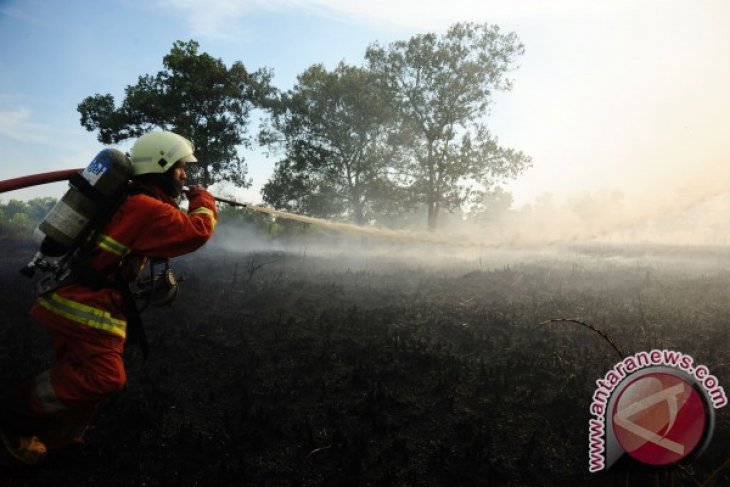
[
  {"x": 441, "y": 88},
  {"x": 332, "y": 127},
  {"x": 196, "y": 96}
]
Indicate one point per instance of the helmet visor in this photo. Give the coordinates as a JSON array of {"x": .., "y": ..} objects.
[{"x": 190, "y": 158}]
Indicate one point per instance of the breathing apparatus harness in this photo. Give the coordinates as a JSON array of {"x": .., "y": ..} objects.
[
  {"x": 62, "y": 237},
  {"x": 157, "y": 289}
]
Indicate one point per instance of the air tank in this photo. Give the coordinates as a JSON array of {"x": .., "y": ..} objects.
[{"x": 89, "y": 196}]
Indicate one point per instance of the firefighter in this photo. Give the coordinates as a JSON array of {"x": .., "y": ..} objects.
[{"x": 89, "y": 318}]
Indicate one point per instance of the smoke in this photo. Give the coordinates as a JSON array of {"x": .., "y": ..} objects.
[
  {"x": 690, "y": 215},
  {"x": 581, "y": 233},
  {"x": 683, "y": 221},
  {"x": 694, "y": 214}
]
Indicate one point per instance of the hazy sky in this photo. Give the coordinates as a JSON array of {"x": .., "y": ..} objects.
[{"x": 628, "y": 95}]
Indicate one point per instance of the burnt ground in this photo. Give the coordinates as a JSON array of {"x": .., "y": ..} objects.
[{"x": 305, "y": 369}]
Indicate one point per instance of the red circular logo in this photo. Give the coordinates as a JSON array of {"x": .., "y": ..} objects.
[{"x": 659, "y": 418}]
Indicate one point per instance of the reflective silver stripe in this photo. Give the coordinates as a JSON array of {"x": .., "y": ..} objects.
[
  {"x": 47, "y": 394},
  {"x": 173, "y": 150}
]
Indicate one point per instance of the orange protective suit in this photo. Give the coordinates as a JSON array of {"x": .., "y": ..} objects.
[{"x": 88, "y": 323}]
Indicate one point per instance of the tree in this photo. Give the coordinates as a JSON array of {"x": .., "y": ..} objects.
[
  {"x": 333, "y": 128},
  {"x": 442, "y": 87},
  {"x": 196, "y": 96},
  {"x": 489, "y": 205},
  {"x": 19, "y": 216}
]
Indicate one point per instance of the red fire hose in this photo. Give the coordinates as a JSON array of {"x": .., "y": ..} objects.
[
  {"x": 55, "y": 176},
  {"x": 36, "y": 179}
]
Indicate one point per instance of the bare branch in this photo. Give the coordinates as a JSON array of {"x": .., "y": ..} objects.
[{"x": 589, "y": 326}]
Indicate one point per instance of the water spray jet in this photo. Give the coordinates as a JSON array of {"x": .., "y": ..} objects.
[
  {"x": 518, "y": 240},
  {"x": 56, "y": 176}
]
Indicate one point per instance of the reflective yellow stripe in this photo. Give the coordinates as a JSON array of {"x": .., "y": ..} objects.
[
  {"x": 206, "y": 211},
  {"x": 86, "y": 315},
  {"x": 110, "y": 245}
]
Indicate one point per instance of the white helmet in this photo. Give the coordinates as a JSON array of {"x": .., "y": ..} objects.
[{"x": 156, "y": 152}]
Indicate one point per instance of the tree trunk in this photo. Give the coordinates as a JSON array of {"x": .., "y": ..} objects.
[
  {"x": 206, "y": 176},
  {"x": 356, "y": 199},
  {"x": 432, "y": 197},
  {"x": 357, "y": 208},
  {"x": 358, "y": 214},
  {"x": 433, "y": 215}
]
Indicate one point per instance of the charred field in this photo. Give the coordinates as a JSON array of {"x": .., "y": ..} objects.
[{"x": 304, "y": 367}]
